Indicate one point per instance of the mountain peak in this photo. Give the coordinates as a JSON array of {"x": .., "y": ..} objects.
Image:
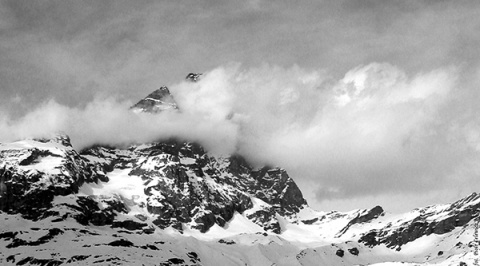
[
  {"x": 60, "y": 138},
  {"x": 193, "y": 77},
  {"x": 157, "y": 101}
]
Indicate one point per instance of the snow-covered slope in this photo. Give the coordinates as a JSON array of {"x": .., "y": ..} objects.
[
  {"x": 184, "y": 186},
  {"x": 174, "y": 203}
]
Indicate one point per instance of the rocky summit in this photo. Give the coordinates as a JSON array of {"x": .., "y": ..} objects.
[
  {"x": 193, "y": 77},
  {"x": 172, "y": 202},
  {"x": 157, "y": 101}
]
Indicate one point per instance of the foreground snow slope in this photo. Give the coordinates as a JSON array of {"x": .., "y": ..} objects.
[{"x": 172, "y": 203}]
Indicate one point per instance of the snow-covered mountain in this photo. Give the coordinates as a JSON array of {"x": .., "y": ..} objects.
[
  {"x": 174, "y": 203},
  {"x": 157, "y": 101}
]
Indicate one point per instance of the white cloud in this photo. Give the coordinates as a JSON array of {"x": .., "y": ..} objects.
[
  {"x": 107, "y": 121},
  {"x": 375, "y": 131}
]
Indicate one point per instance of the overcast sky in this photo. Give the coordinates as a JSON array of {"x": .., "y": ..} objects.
[{"x": 364, "y": 102}]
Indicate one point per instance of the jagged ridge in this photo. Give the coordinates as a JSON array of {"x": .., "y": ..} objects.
[{"x": 149, "y": 188}]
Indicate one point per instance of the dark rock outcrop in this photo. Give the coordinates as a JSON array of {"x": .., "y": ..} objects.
[
  {"x": 121, "y": 243},
  {"x": 41, "y": 262},
  {"x": 340, "y": 253},
  {"x": 193, "y": 77},
  {"x": 184, "y": 185},
  {"x": 157, "y": 101},
  {"x": 366, "y": 216},
  {"x": 129, "y": 225},
  {"x": 430, "y": 220},
  {"x": 28, "y": 185},
  {"x": 17, "y": 242},
  {"x": 275, "y": 187},
  {"x": 354, "y": 251}
]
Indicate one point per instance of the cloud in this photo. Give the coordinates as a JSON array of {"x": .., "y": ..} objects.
[
  {"x": 109, "y": 121},
  {"x": 71, "y": 50},
  {"x": 376, "y": 131},
  {"x": 342, "y": 133},
  {"x": 403, "y": 127}
]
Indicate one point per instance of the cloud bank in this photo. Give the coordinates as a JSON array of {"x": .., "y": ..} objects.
[{"x": 375, "y": 131}]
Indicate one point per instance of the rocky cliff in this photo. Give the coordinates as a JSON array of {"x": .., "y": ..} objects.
[{"x": 171, "y": 202}]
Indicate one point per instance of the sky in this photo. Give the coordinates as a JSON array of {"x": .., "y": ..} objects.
[{"x": 364, "y": 102}]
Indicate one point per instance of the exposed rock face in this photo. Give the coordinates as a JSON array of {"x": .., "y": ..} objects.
[
  {"x": 340, "y": 253},
  {"x": 276, "y": 188},
  {"x": 33, "y": 172},
  {"x": 425, "y": 221},
  {"x": 354, "y": 251},
  {"x": 365, "y": 216},
  {"x": 89, "y": 210},
  {"x": 181, "y": 185},
  {"x": 193, "y": 77},
  {"x": 185, "y": 186},
  {"x": 118, "y": 197},
  {"x": 157, "y": 101}
]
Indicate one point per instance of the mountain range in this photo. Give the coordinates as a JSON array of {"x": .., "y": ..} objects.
[{"x": 172, "y": 202}]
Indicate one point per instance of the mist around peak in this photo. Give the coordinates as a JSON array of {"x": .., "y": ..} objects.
[{"x": 376, "y": 131}]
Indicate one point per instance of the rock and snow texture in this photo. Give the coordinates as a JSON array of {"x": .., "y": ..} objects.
[
  {"x": 174, "y": 203},
  {"x": 193, "y": 77},
  {"x": 157, "y": 101},
  {"x": 33, "y": 172},
  {"x": 183, "y": 186}
]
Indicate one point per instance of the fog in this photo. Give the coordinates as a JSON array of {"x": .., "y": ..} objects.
[{"x": 373, "y": 132}]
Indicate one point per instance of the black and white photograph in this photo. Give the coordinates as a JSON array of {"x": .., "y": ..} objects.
[{"x": 249, "y": 133}]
